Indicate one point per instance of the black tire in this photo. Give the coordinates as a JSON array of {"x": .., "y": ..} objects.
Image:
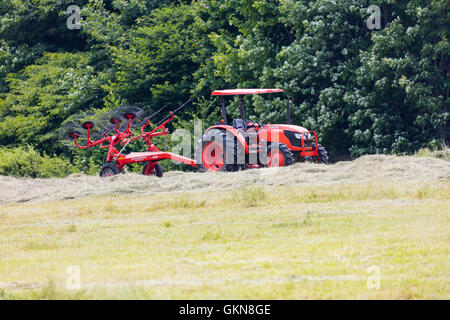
[
  {"x": 287, "y": 153},
  {"x": 109, "y": 170},
  {"x": 230, "y": 146},
  {"x": 323, "y": 155},
  {"x": 158, "y": 171}
]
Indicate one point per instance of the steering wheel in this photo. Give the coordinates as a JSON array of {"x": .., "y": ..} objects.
[{"x": 253, "y": 124}]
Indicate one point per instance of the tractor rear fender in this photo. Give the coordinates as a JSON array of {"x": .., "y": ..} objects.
[{"x": 239, "y": 137}]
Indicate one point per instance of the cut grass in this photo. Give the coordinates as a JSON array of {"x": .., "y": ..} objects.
[
  {"x": 249, "y": 185},
  {"x": 286, "y": 242}
]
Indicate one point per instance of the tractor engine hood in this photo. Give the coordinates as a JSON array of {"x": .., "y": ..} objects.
[{"x": 283, "y": 127}]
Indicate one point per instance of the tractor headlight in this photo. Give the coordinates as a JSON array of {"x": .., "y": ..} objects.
[{"x": 306, "y": 136}]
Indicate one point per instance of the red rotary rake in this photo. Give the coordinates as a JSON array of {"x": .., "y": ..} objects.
[{"x": 120, "y": 132}]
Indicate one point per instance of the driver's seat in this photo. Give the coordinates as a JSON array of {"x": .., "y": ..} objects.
[{"x": 240, "y": 125}]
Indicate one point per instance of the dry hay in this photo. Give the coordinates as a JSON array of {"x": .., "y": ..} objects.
[{"x": 376, "y": 168}]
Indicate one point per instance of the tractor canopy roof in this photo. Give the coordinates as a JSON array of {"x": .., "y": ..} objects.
[{"x": 232, "y": 92}]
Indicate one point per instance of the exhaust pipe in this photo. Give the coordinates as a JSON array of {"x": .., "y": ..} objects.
[
  {"x": 288, "y": 109},
  {"x": 223, "y": 109}
]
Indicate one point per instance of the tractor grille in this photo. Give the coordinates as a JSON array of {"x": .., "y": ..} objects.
[
  {"x": 292, "y": 139},
  {"x": 309, "y": 143},
  {"x": 298, "y": 142}
]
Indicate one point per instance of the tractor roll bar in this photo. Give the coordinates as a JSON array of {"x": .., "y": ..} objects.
[{"x": 240, "y": 93}]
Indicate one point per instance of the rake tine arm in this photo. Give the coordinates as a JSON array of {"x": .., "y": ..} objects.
[
  {"x": 161, "y": 126},
  {"x": 145, "y": 125},
  {"x": 116, "y": 129},
  {"x": 81, "y": 147},
  {"x": 182, "y": 106},
  {"x": 154, "y": 114}
]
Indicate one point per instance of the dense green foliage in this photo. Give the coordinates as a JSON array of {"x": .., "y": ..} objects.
[
  {"x": 364, "y": 91},
  {"x": 27, "y": 162}
]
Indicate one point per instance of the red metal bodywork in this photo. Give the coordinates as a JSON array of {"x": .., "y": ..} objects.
[
  {"x": 240, "y": 138},
  {"x": 274, "y": 133},
  {"x": 152, "y": 156}
]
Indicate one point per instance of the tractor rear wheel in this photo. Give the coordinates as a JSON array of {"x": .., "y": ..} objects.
[
  {"x": 279, "y": 155},
  {"x": 147, "y": 170},
  {"x": 323, "y": 155},
  {"x": 216, "y": 145},
  {"x": 109, "y": 170}
]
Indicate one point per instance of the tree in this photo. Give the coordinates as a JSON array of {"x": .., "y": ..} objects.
[
  {"x": 30, "y": 28},
  {"x": 43, "y": 95},
  {"x": 154, "y": 60},
  {"x": 401, "y": 96}
]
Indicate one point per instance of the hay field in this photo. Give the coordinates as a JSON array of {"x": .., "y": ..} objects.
[{"x": 376, "y": 227}]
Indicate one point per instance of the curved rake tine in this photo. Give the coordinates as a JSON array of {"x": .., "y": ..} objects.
[
  {"x": 154, "y": 114},
  {"x": 140, "y": 124},
  {"x": 104, "y": 134},
  {"x": 182, "y": 106},
  {"x": 176, "y": 110}
]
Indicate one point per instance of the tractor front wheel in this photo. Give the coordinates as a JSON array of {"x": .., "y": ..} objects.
[
  {"x": 151, "y": 169},
  {"x": 323, "y": 155},
  {"x": 109, "y": 170}
]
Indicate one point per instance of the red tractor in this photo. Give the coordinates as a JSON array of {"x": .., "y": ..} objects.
[{"x": 244, "y": 144}]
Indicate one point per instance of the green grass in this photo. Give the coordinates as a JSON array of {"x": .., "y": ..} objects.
[{"x": 251, "y": 243}]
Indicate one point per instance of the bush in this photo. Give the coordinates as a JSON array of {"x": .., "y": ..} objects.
[
  {"x": 27, "y": 162},
  {"x": 440, "y": 153}
]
